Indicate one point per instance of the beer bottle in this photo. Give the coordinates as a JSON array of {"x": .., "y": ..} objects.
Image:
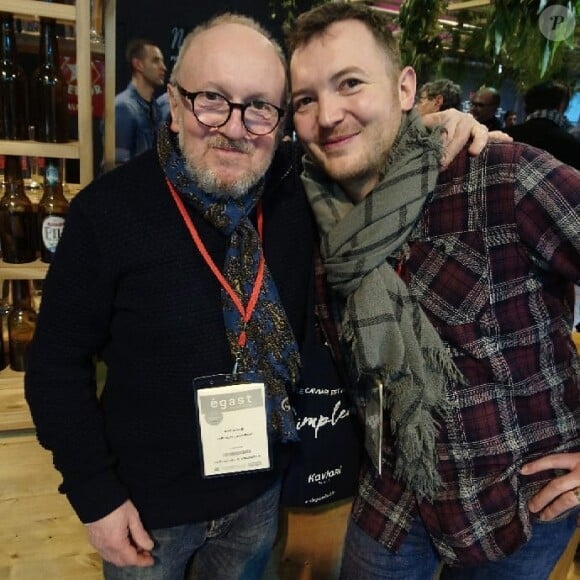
[
  {"x": 17, "y": 223},
  {"x": 21, "y": 324},
  {"x": 13, "y": 85},
  {"x": 49, "y": 89},
  {"x": 52, "y": 210}
]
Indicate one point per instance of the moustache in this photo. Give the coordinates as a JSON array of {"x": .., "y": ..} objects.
[{"x": 222, "y": 142}]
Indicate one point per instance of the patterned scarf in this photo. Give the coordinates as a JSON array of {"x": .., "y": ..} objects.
[
  {"x": 552, "y": 115},
  {"x": 270, "y": 349},
  {"x": 386, "y": 333}
]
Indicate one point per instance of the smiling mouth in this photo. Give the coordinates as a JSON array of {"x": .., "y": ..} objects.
[{"x": 336, "y": 141}]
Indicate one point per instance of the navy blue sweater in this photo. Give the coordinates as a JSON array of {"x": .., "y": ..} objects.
[{"x": 128, "y": 284}]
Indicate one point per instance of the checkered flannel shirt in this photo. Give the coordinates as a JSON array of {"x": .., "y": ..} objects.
[{"x": 492, "y": 260}]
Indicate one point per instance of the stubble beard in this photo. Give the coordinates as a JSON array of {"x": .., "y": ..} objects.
[{"x": 367, "y": 164}]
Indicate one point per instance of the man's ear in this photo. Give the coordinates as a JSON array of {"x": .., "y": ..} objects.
[
  {"x": 137, "y": 64},
  {"x": 173, "y": 96},
  {"x": 439, "y": 102},
  {"x": 407, "y": 88}
]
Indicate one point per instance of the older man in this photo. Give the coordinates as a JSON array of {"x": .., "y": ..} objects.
[
  {"x": 454, "y": 295},
  {"x": 187, "y": 270},
  {"x": 179, "y": 268}
]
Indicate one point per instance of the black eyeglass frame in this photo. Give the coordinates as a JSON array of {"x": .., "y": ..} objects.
[{"x": 241, "y": 106}]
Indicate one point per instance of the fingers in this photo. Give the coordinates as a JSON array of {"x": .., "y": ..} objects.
[
  {"x": 563, "y": 492},
  {"x": 500, "y": 137},
  {"x": 479, "y": 138},
  {"x": 141, "y": 539},
  {"x": 560, "y": 486},
  {"x": 112, "y": 537},
  {"x": 564, "y": 502},
  {"x": 567, "y": 461}
]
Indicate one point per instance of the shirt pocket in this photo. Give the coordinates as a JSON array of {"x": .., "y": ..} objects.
[{"x": 449, "y": 276}]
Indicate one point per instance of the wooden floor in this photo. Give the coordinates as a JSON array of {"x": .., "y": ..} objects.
[{"x": 41, "y": 538}]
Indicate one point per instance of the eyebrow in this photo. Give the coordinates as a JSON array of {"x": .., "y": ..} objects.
[{"x": 350, "y": 70}]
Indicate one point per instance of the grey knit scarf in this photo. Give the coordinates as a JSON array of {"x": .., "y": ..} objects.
[{"x": 387, "y": 334}]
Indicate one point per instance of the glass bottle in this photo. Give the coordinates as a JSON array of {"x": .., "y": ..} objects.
[
  {"x": 49, "y": 89},
  {"x": 17, "y": 223},
  {"x": 21, "y": 324},
  {"x": 52, "y": 210},
  {"x": 13, "y": 85}
]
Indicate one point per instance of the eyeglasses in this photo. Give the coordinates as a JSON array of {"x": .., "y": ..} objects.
[
  {"x": 478, "y": 105},
  {"x": 214, "y": 110}
]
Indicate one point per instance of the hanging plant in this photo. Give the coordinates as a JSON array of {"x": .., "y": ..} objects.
[
  {"x": 420, "y": 41},
  {"x": 518, "y": 42}
]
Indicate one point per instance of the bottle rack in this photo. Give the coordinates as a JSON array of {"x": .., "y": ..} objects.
[
  {"x": 14, "y": 413},
  {"x": 83, "y": 148}
]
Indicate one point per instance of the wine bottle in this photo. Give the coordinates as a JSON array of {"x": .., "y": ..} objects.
[
  {"x": 49, "y": 89},
  {"x": 21, "y": 324},
  {"x": 13, "y": 85},
  {"x": 52, "y": 210},
  {"x": 17, "y": 223}
]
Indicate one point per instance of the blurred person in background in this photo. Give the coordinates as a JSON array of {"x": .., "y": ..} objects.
[
  {"x": 546, "y": 126},
  {"x": 484, "y": 105},
  {"x": 438, "y": 95},
  {"x": 510, "y": 118},
  {"x": 137, "y": 113}
]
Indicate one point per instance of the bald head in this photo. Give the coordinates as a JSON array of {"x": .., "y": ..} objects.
[{"x": 229, "y": 33}]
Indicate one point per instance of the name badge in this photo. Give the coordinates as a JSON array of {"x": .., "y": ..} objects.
[{"x": 232, "y": 419}]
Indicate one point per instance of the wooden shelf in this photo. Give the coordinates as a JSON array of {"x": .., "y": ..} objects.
[
  {"x": 28, "y": 42},
  {"x": 30, "y": 271},
  {"x": 38, "y": 8},
  {"x": 70, "y": 150}
]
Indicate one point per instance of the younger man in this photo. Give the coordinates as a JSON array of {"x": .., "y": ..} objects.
[
  {"x": 137, "y": 113},
  {"x": 455, "y": 298}
]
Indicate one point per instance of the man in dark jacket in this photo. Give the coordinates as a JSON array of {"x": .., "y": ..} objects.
[
  {"x": 545, "y": 126},
  {"x": 181, "y": 267}
]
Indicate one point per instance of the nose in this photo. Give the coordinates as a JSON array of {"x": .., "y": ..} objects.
[
  {"x": 234, "y": 129},
  {"x": 330, "y": 112}
]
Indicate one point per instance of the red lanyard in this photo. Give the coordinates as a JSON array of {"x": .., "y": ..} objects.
[{"x": 245, "y": 312}]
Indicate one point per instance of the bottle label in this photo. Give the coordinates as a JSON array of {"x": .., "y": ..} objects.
[
  {"x": 51, "y": 175},
  {"x": 52, "y": 227}
]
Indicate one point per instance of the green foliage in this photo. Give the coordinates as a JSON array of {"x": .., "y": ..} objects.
[
  {"x": 420, "y": 41},
  {"x": 508, "y": 38},
  {"x": 517, "y": 43}
]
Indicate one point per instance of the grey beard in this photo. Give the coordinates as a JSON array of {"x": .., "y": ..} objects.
[{"x": 209, "y": 182}]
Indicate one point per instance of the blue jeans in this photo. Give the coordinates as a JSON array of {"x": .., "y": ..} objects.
[
  {"x": 417, "y": 559},
  {"x": 236, "y": 546}
]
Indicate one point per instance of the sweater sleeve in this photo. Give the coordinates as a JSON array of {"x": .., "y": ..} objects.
[{"x": 60, "y": 381}]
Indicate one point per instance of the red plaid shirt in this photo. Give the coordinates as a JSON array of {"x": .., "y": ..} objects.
[{"x": 492, "y": 260}]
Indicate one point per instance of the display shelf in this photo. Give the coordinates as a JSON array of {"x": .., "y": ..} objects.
[
  {"x": 27, "y": 43},
  {"x": 14, "y": 414},
  {"x": 69, "y": 150},
  {"x": 29, "y": 271},
  {"x": 40, "y": 8},
  {"x": 83, "y": 148}
]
